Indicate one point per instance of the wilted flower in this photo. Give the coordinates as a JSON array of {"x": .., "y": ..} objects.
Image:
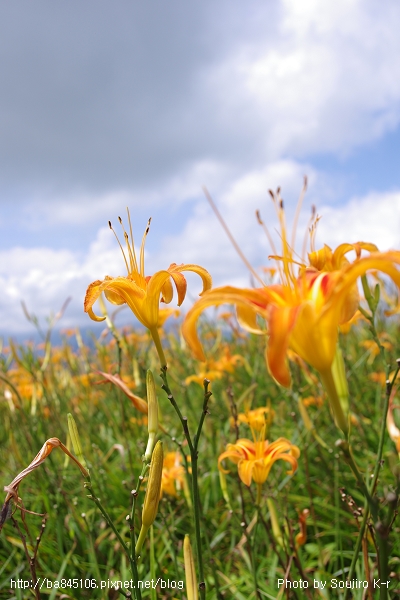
[
  {"x": 12, "y": 488},
  {"x": 301, "y": 537},
  {"x": 137, "y": 402}
]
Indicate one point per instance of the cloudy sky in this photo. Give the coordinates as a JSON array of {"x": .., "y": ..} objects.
[{"x": 105, "y": 105}]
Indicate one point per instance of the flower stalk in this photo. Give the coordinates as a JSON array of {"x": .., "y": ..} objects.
[{"x": 193, "y": 447}]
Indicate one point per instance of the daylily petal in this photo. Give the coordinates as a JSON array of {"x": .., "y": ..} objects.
[
  {"x": 280, "y": 324},
  {"x": 203, "y": 273},
  {"x": 247, "y": 318},
  {"x": 245, "y": 469},
  {"x": 120, "y": 287},
  {"x": 233, "y": 455},
  {"x": 92, "y": 293},
  {"x": 167, "y": 291},
  {"x": 93, "y": 316},
  {"x": 165, "y": 313},
  {"x": 180, "y": 283},
  {"x": 114, "y": 297},
  {"x": 217, "y": 297},
  {"x": 320, "y": 258},
  {"x": 261, "y": 470},
  {"x": 156, "y": 283}
]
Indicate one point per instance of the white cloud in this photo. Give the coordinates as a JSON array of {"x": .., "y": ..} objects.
[
  {"x": 325, "y": 81},
  {"x": 44, "y": 277},
  {"x": 374, "y": 218}
]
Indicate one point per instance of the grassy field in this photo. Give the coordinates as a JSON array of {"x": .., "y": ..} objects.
[{"x": 304, "y": 527}]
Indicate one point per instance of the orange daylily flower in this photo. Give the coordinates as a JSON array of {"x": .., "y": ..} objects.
[
  {"x": 313, "y": 401},
  {"x": 304, "y": 312},
  {"x": 142, "y": 293},
  {"x": 165, "y": 314},
  {"x": 257, "y": 418},
  {"x": 215, "y": 369},
  {"x": 255, "y": 459},
  {"x": 373, "y": 348},
  {"x": 346, "y": 327},
  {"x": 204, "y": 374},
  {"x": 173, "y": 474}
]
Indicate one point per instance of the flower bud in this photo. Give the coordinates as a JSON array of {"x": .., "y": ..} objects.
[
  {"x": 276, "y": 530},
  {"x": 76, "y": 442},
  {"x": 152, "y": 497},
  {"x": 152, "y": 414},
  {"x": 190, "y": 571}
]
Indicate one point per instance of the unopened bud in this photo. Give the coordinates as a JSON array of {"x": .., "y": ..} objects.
[
  {"x": 152, "y": 497},
  {"x": 276, "y": 530},
  {"x": 76, "y": 442},
  {"x": 152, "y": 414},
  {"x": 190, "y": 571}
]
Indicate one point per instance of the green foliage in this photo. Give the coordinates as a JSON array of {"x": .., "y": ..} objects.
[{"x": 78, "y": 544}]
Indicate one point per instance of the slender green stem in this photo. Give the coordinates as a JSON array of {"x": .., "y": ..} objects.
[
  {"x": 204, "y": 413},
  {"x": 156, "y": 339},
  {"x": 135, "y": 494},
  {"x": 382, "y": 434},
  {"x": 382, "y": 531},
  {"x": 341, "y": 420},
  {"x": 193, "y": 447},
  {"x": 350, "y": 461},
  {"x": 182, "y": 419},
  {"x": 196, "y": 510},
  {"x": 253, "y": 545},
  {"x": 110, "y": 522},
  {"x": 357, "y": 547},
  {"x": 153, "y": 595}
]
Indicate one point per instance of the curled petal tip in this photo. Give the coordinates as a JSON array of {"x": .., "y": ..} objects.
[{"x": 93, "y": 316}]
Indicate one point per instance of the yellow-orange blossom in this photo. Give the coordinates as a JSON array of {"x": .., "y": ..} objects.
[
  {"x": 255, "y": 459},
  {"x": 303, "y": 312},
  {"x": 141, "y": 293}
]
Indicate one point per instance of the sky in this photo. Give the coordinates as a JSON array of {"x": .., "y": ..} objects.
[{"x": 107, "y": 105}]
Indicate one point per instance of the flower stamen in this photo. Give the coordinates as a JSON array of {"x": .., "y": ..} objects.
[
  {"x": 142, "y": 247},
  {"x": 119, "y": 243}
]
